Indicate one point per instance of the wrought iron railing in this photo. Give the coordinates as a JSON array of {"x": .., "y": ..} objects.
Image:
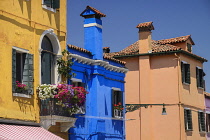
[
  {"x": 49, "y": 107},
  {"x": 118, "y": 113}
]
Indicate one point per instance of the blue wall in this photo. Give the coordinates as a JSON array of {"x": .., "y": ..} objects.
[{"x": 97, "y": 123}]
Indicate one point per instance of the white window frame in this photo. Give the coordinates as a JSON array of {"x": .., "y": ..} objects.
[
  {"x": 56, "y": 50},
  {"x": 187, "y": 129},
  {"x": 20, "y": 50},
  {"x": 117, "y": 113},
  {"x": 82, "y": 109},
  {"x": 48, "y": 8},
  {"x": 199, "y": 122}
]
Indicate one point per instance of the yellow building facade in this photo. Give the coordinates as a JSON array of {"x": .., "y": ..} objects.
[{"x": 25, "y": 24}]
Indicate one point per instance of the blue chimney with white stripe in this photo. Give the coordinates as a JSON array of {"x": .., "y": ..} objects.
[{"x": 93, "y": 31}]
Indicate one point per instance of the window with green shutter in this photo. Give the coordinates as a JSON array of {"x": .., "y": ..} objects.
[
  {"x": 22, "y": 71},
  {"x": 117, "y": 104},
  {"x": 201, "y": 121},
  {"x": 185, "y": 69},
  {"x": 188, "y": 120},
  {"x": 199, "y": 77},
  {"x": 207, "y": 122},
  {"x": 55, "y": 4}
]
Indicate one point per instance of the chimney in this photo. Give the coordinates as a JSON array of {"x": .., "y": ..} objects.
[
  {"x": 93, "y": 31},
  {"x": 145, "y": 37}
]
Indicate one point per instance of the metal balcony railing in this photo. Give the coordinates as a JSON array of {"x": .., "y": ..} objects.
[
  {"x": 49, "y": 107},
  {"x": 118, "y": 113}
]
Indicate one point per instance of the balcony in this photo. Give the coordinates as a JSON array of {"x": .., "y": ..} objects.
[
  {"x": 50, "y": 113},
  {"x": 118, "y": 113}
]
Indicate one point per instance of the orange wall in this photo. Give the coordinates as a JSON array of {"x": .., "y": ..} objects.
[{"x": 157, "y": 80}]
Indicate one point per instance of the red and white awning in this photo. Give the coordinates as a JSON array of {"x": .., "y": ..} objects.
[{"x": 19, "y": 132}]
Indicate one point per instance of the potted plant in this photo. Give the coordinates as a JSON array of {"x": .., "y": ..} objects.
[{"x": 21, "y": 88}]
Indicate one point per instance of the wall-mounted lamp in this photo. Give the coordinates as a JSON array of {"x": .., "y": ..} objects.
[
  {"x": 164, "y": 110},
  {"x": 133, "y": 107}
]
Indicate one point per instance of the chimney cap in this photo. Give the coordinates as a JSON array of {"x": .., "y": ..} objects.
[
  {"x": 93, "y": 11},
  {"x": 106, "y": 49},
  {"x": 146, "y": 26}
]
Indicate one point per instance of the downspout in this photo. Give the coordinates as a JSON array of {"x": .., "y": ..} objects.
[
  {"x": 139, "y": 99},
  {"x": 179, "y": 96}
]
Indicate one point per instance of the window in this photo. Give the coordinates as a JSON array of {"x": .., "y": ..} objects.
[
  {"x": 199, "y": 77},
  {"x": 188, "y": 119},
  {"x": 185, "y": 68},
  {"x": 55, "y": 4},
  {"x": 78, "y": 83},
  {"x": 189, "y": 47},
  {"x": 201, "y": 121},
  {"x": 22, "y": 71},
  {"x": 47, "y": 62},
  {"x": 117, "y": 104},
  {"x": 208, "y": 122}
]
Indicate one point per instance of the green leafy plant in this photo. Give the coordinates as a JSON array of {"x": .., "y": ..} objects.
[{"x": 64, "y": 65}]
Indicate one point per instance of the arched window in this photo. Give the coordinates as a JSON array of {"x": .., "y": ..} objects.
[{"x": 47, "y": 61}]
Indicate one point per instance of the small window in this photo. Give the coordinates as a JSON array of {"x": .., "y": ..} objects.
[
  {"x": 189, "y": 47},
  {"x": 22, "y": 72},
  {"x": 79, "y": 83},
  {"x": 188, "y": 119},
  {"x": 55, "y": 4},
  {"x": 185, "y": 68},
  {"x": 117, "y": 104},
  {"x": 207, "y": 122},
  {"x": 199, "y": 77},
  {"x": 201, "y": 121}
]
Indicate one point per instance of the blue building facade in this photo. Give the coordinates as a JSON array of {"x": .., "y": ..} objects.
[{"x": 103, "y": 77}]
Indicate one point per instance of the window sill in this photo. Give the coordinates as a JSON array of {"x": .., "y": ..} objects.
[
  {"x": 201, "y": 88},
  {"x": 186, "y": 83},
  {"x": 49, "y": 8},
  {"x": 21, "y": 95},
  {"x": 203, "y": 132},
  {"x": 189, "y": 130}
]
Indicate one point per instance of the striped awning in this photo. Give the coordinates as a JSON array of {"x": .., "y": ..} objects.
[{"x": 19, "y": 132}]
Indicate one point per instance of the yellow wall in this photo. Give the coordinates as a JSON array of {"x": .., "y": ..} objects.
[{"x": 22, "y": 23}]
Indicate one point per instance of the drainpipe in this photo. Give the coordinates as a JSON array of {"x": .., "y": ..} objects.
[{"x": 178, "y": 57}]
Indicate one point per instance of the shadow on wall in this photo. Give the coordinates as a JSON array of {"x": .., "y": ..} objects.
[{"x": 24, "y": 104}]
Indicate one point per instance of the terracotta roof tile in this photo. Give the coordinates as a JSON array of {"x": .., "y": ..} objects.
[
  {"x": 206, "y": 94},
  {"x": 157, "y": 47},
  {"x": 106, "y": 56},
  {"x": 148, "y": 25},
  {"x": 78, "y": 48},
  {"x": 176, "y": 40},
  {"x": 95, "y": 10}
]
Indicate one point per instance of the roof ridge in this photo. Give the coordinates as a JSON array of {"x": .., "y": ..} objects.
[
  {"x": 95, "y": 10},
  {"x": 175, "y": 40}
]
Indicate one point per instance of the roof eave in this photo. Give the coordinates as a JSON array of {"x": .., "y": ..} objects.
[{"x": 168, "y": 52}]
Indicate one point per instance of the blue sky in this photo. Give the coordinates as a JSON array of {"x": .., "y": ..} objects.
[{"x": 171, "y": 18}]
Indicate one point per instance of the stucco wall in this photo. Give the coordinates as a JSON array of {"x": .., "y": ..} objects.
[{"x": 22, "y": 24}]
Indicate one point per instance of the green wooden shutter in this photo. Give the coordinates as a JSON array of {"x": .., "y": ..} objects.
[
  {"x": 185, "y": 118},
  {"x": 197, "y": 77},
  {"x": 28, "y": 73},
  {"x": 48, "y": 2},
  {"x": 56, "y": 4},
  {"x": 112, "y": 100},
  {"x": 13, "y": 70},
  {"x": 202, "y": 121},
  {"x": 183, "y": 72},
  {"x": 199, "y": 121},
  {"x": 201, "y": 78},
  {"x": 188, "y": 74},
  {"x": 190, "y": 125}
]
